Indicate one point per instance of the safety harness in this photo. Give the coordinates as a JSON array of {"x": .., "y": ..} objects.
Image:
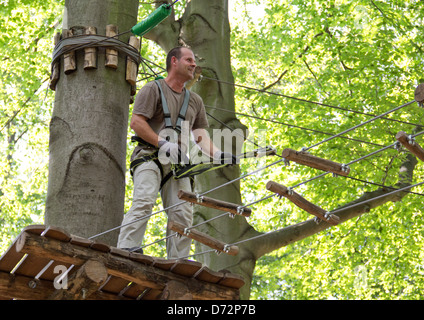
[
  {"x": 168, "y": 124},
  {"x": 188, "y": 170}
]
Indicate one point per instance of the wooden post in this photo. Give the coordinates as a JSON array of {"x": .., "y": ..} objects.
[
  {"x": 315, "y": 162},
  {"x": 419, "y": 94},
  {"x": 410, "y": 144},
  {"x": 132, "y": 67},
  {"x": 83, "y": 283},
  {"x": 69, "y": 62},
  {"x": 214, "y": 203},
  {"x": 90, "y": 56},
  {"x": 302, "y": 202},
  {"x": 197, "y": 73},
  {"x": 203, "y": 238},
  {"x": 111, "y": 54},
  {"x": 54, "y": 77}
]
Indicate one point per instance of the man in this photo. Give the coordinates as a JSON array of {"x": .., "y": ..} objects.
[{"x": 150, "y": 122}]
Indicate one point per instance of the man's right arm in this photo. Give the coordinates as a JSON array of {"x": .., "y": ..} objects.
[{"x": 143, "y": 130}]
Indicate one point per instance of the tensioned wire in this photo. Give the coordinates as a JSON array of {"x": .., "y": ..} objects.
[
  {"x": 179, "y": 203},
  {"x": 302, "y": 183},
  {"x": 263, "y": 91},
  {"x": 291, "y": 97},
  {"x": 330, "y": 212},
  {"x": 247, "y": 174},
  {"x": 405, "y": 189}
]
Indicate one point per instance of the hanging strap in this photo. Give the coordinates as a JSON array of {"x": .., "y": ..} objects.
[{"x": 167, "y": 114}]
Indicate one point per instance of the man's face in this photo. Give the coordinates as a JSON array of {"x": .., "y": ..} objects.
[{"x": 186, "y": 64}]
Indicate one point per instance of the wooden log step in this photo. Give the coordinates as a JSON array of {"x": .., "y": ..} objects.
[
  {"x": 214, "y": 203},
  {"x": 204, "y": 238},
  {"x": 315, "y": 162},
  {"x": 302, "y": 202},
  {"x": 409, "y": 143}
]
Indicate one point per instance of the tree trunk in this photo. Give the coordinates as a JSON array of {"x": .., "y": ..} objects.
[{"x": 88, "y": 130}]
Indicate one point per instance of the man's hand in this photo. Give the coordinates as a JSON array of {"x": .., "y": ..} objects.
[{"x": 225, "y": 157}]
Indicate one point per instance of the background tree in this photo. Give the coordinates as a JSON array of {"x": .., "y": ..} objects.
[{"x": 362, "y": 57}]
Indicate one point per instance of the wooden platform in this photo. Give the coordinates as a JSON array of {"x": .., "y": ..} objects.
[{"x": 39, "y": 256}]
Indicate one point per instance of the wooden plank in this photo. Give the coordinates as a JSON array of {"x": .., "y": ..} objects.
[
  {"x": 111, "y": 54},
  {"x": 56, "y": 233},
  {"x": 132, "y": 66},
  {"x": 208, "y": 275},
  {"x": 82, "y": 242},
  {"x": 114, "y": 285},
  {"x": 120, "y": 267},
  {"x": 315, "y": 162},
  {"x": 31, "y": 266},
  {"x": 410, "y": 144},
  {"x": 186, "y": 268},
  {"x": 90, "y": 54},
  {"x": 232, "y": 280},
  {"x": 163, "y": 264},
  {"x": 302, "y": 202},
  {"x": 204, "y": 238},
  {"x": 134, "y": 291},
  {"x": 142, "y": 258},
  {"x": 214, "y": 203},
  {"x": 83, "y": 283}
]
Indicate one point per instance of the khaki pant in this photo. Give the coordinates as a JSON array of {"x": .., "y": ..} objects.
[{"x": 147, "y": 180}]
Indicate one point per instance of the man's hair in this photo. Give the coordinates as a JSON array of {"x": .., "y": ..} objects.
[{"x": 176, "y": 52}]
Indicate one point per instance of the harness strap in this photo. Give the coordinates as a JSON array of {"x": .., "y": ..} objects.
[
  {"x": 151, "y": 157},
  {"x": 167, "y": 114}
]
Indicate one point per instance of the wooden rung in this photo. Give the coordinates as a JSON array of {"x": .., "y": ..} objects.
[
  {"x": 315, "y": 162},
  {"x": 204, "y": 238},
  {"x": 410, "y": 144},
  {"x": 214, "y": 203},
  {"x": 302, "y": 203}
]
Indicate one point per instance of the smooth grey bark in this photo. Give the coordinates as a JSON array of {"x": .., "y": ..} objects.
[{"x": 88, "y": 130}]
